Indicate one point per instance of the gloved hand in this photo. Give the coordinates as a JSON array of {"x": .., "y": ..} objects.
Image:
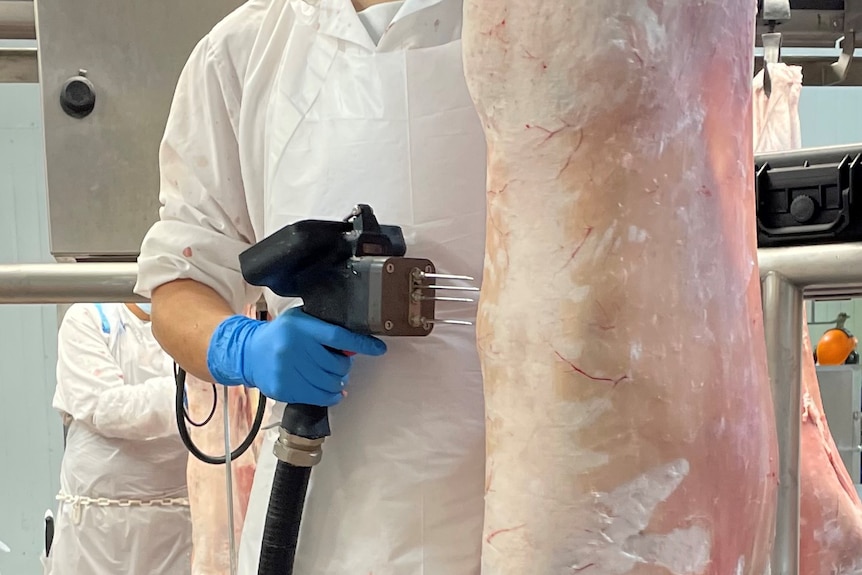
[{"x": 286, "y": 359}]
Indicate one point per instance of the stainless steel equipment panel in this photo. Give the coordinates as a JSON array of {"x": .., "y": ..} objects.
[
  {"x": 841, "y": 391},
  {"x": 102, "y": 169}
]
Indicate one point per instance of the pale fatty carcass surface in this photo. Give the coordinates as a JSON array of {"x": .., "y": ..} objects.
[
  {"x": 830, "y": 533},
  {"x": 206, "y": 483},
  {"x": 630, "y": 426}
]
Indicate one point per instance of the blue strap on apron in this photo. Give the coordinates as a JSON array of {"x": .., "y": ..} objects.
[{"x": 106, "y": 327}]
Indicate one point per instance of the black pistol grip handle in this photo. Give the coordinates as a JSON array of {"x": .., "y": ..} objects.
[{"x": 304, "y": 420}]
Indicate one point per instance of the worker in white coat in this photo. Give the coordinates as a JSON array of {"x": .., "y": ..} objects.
[
  {"x": 123, "y": 498},
  {"x": 297, "y": 109}
]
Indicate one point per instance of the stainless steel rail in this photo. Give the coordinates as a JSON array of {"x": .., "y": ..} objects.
[{"x": 68, "y": 283}]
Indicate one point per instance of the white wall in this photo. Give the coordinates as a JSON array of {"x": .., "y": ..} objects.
[
  {"x": 31, "y": 438},
  {"x": 831, "y": 116}
]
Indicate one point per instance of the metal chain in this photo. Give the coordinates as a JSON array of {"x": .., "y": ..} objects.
[{"x": 105, "y": 502}]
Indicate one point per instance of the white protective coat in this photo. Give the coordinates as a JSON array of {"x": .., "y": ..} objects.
[
  {"x": 115, "y": 389},
  {"x": 286, "y": 111}
]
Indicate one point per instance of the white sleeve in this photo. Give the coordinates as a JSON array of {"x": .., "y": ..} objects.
[
  {"x": 91, "y": 386},
  {"x": 204, "y": 222}
]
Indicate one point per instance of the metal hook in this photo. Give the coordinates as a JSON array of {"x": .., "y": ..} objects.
[
  {"x": 772, "y": 11},
  {"x": 771, "y": 55},
  {"x": 837, "y": 72}
]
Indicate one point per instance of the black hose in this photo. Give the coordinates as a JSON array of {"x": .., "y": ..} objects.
[
  {"x": 181, "y": 381},
  {"x": 180, "y": 376},
  {"x": 283, "y": 516},
  {"x": 289, "y": 486}
]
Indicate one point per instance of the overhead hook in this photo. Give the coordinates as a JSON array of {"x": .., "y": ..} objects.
[
  {"x": 837, "y": 71},
  {"x": 772, "y": 11},
  {"x": 771, "y": 55}
]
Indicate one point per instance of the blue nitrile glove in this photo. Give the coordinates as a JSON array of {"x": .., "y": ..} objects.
[{"x": 287, "y": 359}]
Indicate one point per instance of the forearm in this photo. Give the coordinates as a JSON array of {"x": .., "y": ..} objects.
[
  {"x": 138, "y": 412},
  {"x": 185, "y": 315}
]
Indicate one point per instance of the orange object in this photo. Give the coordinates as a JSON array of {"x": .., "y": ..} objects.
[{"x": 835, "y": 346}]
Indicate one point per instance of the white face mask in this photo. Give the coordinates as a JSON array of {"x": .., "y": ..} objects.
[{"x": 147, "y": 308}]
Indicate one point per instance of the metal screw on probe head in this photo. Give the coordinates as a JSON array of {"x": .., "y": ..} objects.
[
  {"x": 388, "y": 325},
  {"x": 390, "y": 268}
]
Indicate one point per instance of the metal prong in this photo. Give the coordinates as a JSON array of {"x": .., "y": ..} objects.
[
  {"x": 417, "y": 296},
  {"x": 447, "y": 277},
  {"x": 452, "y": 288},
  {"x": 446, "y": 321}
]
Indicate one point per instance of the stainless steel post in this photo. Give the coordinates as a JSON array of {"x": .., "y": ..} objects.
[
  {"x": 68, "y": 283},
  {"x": 782, "y": 315}
]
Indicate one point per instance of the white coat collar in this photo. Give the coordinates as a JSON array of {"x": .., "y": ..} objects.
[{"x": 418, "y": 23}]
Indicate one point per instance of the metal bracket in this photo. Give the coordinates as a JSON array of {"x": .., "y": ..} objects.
[
  {"x": 837, "y": 72},
  {"x": 771, "y": 55},
  {"x": 775, "y": 10}
]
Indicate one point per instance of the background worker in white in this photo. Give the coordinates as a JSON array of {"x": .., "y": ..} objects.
[
  {"x": 293, "y": 109},
  {"x": 115, "y": 390}
]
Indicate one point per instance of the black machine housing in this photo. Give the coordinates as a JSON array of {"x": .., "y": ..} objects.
[
  {"x": 351, "y": 273},
  {"x": 809, "y": 196}
]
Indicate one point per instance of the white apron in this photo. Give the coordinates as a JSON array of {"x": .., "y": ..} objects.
[
  {"x": 400, "y": 488},
  {"x": 123, "y": 506}
]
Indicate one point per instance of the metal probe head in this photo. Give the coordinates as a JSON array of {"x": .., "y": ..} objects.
[
  {"x": 425, "y": 281},
  {"x": 354, "y": 273}
]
